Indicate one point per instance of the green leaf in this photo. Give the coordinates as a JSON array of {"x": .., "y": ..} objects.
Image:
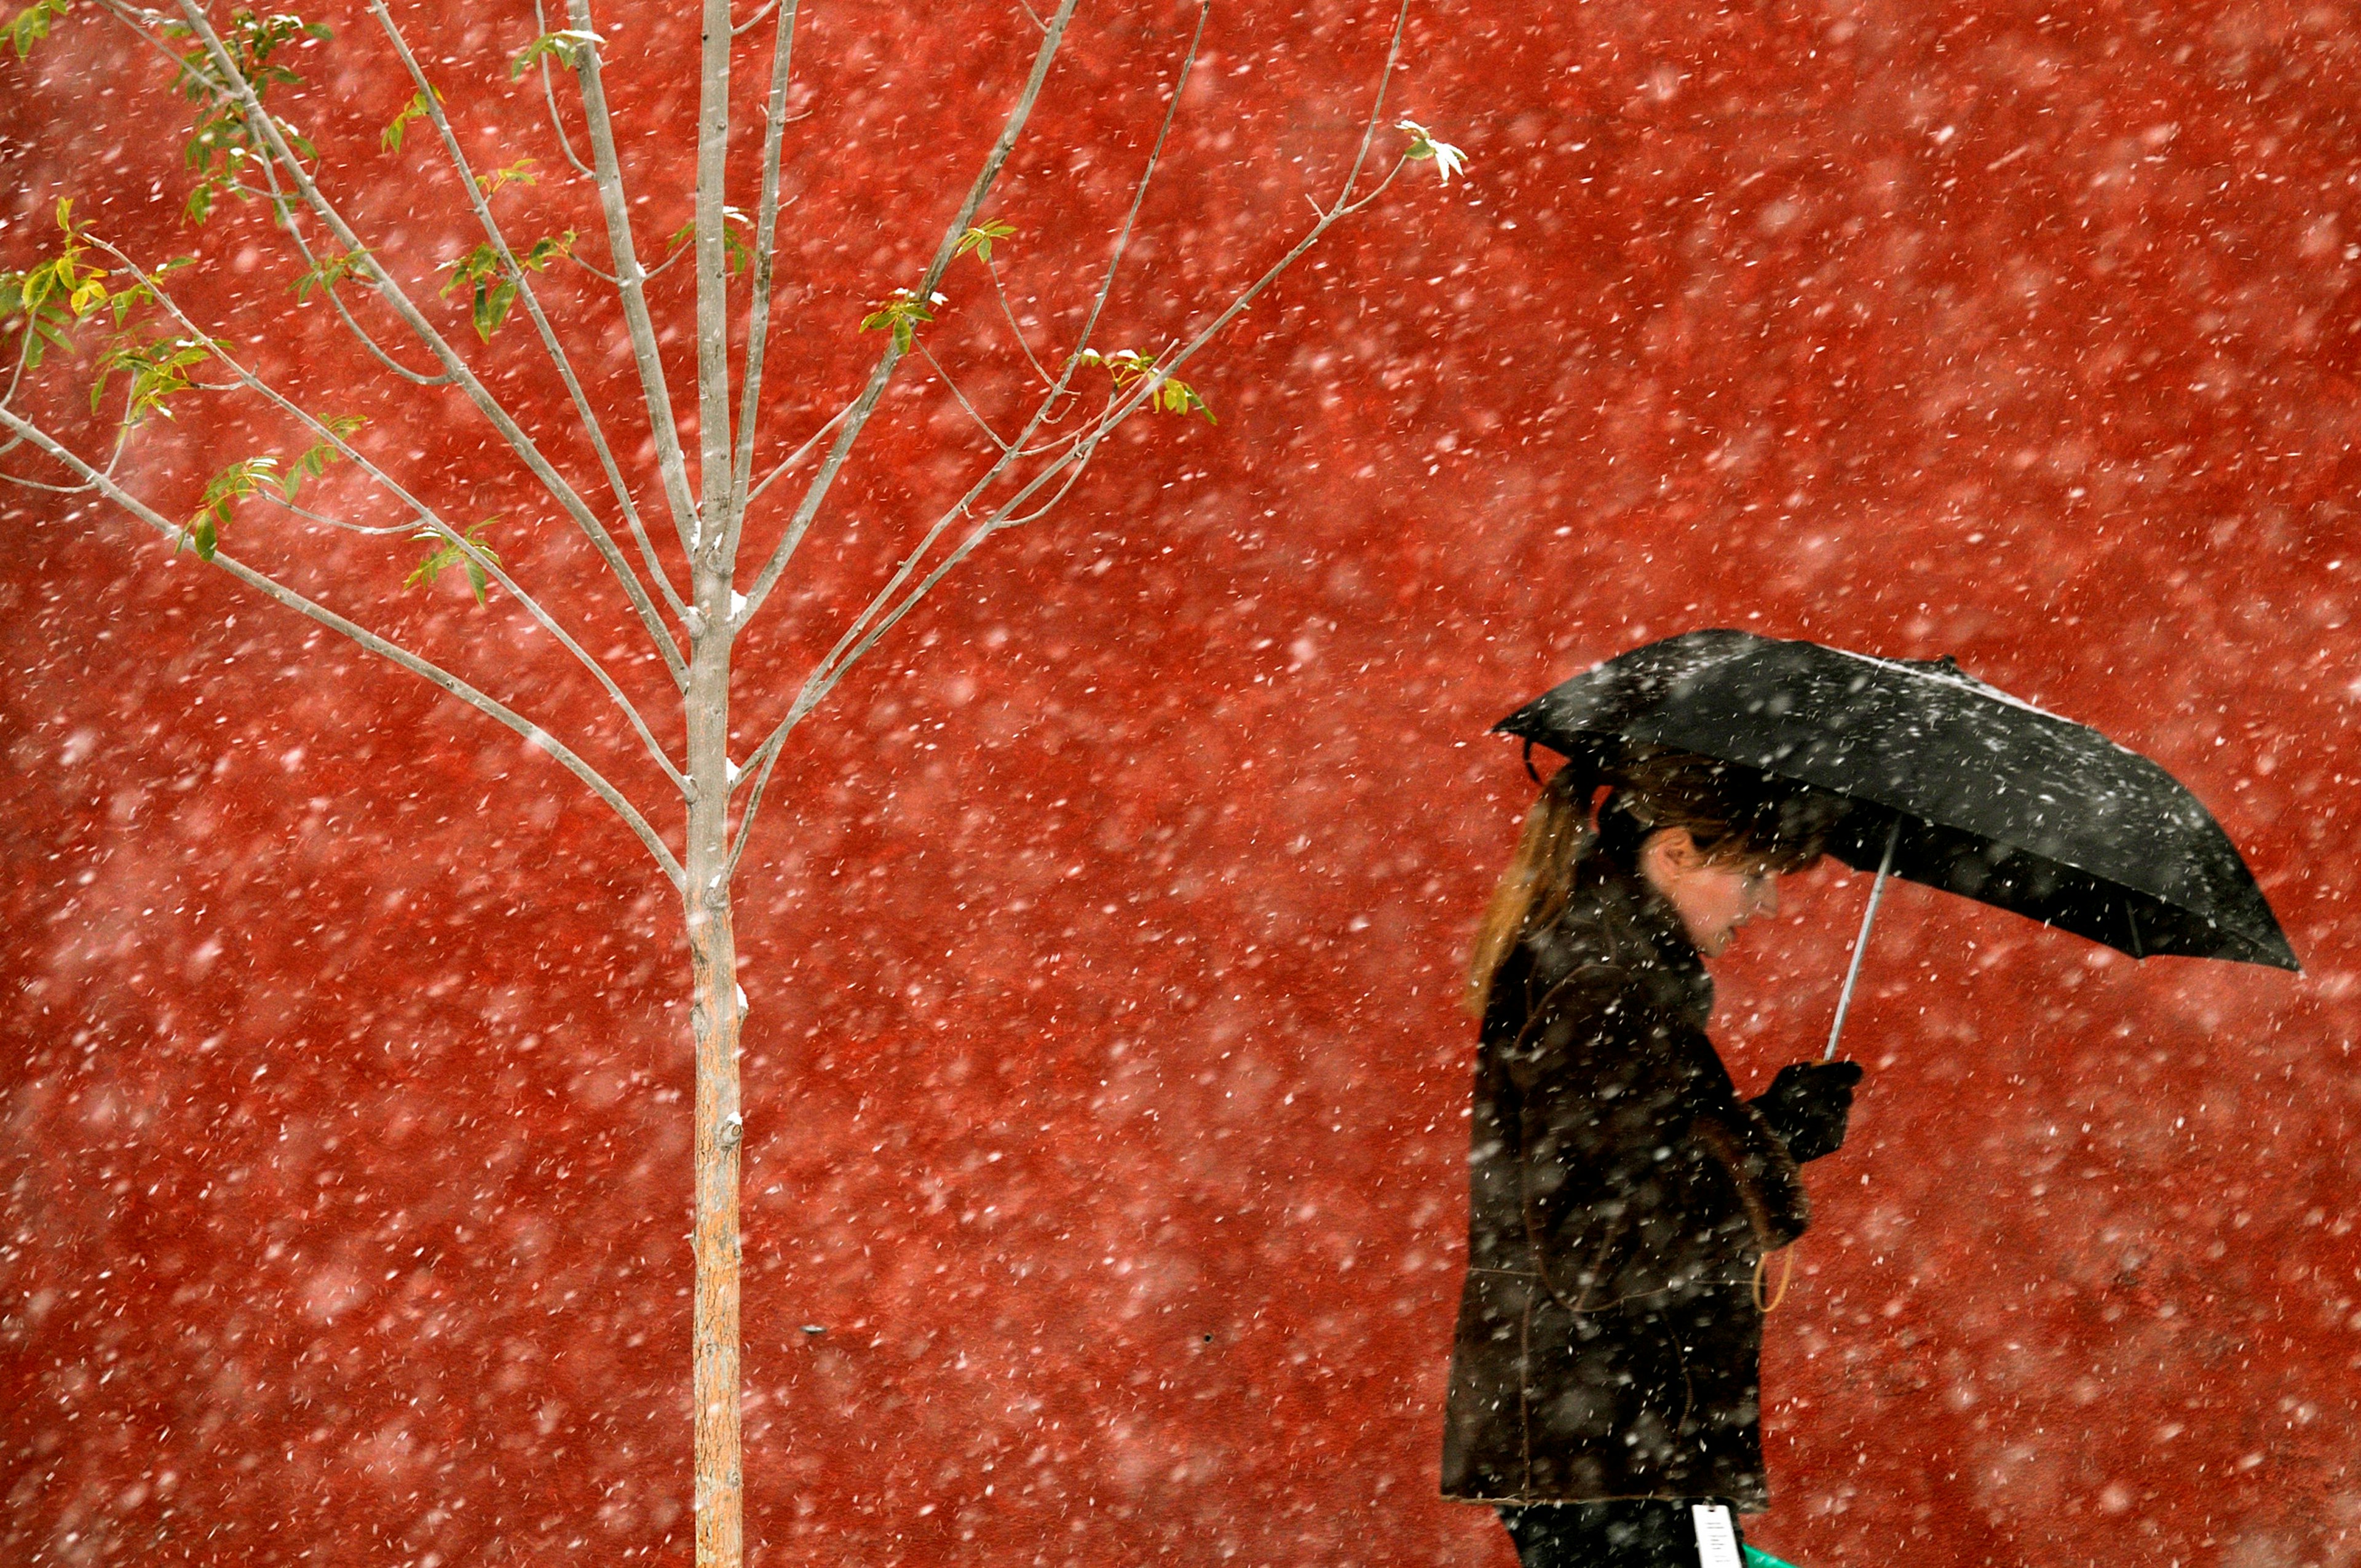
[
  {"x": 1177, "y": 396},
  {"x": 316, "y": 457},
  {"x": 492, "y": 290},
  {"x": 252, "y": 475},
  {"x": 34, "y": 288},
  {"x": 901, "y": 313},
  {"x": 45, "y": 325},
  {"x": 59, "y": 293},
  {"x": 1448, "y": 159},
  {"x": 473, "y": 267},
  {"x": 736, "y": 252},
  {"x": 520, "y": 172},
  {"x": 448, "y": 552},
  {"x": 220, "y": 142},
  {"x": 1128, "y": 366},
  {"x": 31, "y": 25},
  {"x": 223, "y": 492},
  {"x": 329, "y": 271},
  {"x": 160, "y": 371},
  {"x": 1124, "y": 365},
  {"x": 124, "y": 303},
  {"x": 548, "y": 248},
  {"x": 241, "y": 478},
  {"x": 491, "y": 307},
  {"x": 416, "y": 109},
  {"x": 489, "y": 293},
  {"x": 978, "y": 239},
  {"x": 571, "y": 46}
]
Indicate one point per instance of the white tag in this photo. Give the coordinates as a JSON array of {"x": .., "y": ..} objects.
[{"x": 1717, "y": 1542}]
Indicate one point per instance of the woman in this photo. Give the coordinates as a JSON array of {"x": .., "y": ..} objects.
[{"x": 1604, "y": 1379}]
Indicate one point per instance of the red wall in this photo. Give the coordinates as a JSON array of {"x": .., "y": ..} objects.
[{"x": 1105, "y": 1087}]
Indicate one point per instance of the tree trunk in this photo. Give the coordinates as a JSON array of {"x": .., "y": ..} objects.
[
  {"x": 715, "y": 1014},
  {"x": 714, "y": 1021}
]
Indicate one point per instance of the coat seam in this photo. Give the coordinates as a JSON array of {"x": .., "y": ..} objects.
[{"x": 1524, "y": 1386}]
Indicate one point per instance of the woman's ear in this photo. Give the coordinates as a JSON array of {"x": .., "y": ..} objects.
[{"x": 1670, "y": 849}]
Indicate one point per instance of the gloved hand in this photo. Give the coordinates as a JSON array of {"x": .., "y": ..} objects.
[{"x": 1807, "y": 1105}]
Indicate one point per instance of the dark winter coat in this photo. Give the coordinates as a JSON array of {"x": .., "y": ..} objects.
[{"x": 1620, "y": 1196}]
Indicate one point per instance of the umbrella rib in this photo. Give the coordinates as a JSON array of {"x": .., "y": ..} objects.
[{"x": 1860, "y": 942}]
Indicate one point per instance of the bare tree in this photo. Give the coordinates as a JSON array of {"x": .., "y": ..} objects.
[{"x": 115, "y": 327}]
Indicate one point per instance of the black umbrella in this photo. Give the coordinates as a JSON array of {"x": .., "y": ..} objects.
[{"x": 1950, "y": 782}]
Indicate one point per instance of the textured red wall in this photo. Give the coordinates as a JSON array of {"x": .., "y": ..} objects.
[{"x": 1105, "y": 1085}]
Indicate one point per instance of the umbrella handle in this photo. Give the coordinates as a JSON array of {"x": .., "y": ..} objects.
[{"x": 1860, "y": 942}]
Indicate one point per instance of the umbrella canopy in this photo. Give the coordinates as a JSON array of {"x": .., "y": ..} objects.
[{"x": 1952, "y": 783}]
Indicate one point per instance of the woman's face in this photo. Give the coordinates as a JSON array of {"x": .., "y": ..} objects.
[{"x": 1713, "y": 895}]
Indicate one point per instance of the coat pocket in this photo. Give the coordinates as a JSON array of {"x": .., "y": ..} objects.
[{"x": 1608, "y": 1395}]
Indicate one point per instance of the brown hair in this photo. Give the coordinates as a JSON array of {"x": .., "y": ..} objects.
[{"x": 1732, "y": 813}]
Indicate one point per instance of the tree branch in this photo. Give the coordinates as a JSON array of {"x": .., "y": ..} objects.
[
  {"x": 1001, "y": 294},
  {"x": 115, "y": 461},
  {"x": 261, "y": 125},
  {"x": 1140, "y": 196},
  {"x": 866, "y": 404},
  {"x": 367, "y": 530},
  {"x": 717, "y": 472},
  {"x": 335, "y": 301},
  {"x": 22, "y": 483},
  {"x": 756, "y": 19},
  {"x": 632, "y": 281},
  {"x": 759, "y": 765},
  {"x": 25, "y": 344},
  {"x": 600, "y": 538},
  {"x": 1057, "y": 393},
  {"x": 800, "y": 453},
  {"x": 824, "y": 678},
  {"x": 478, "y": 700},
  {"x": 945, "y": 378},
  {"x": 425, "y": 514},
  {"x": 849, "y": 651},
  {"x": 1342, "y": 206},
  {"x": 549, "y": 95},
  {"x": 766, "y": 229}
]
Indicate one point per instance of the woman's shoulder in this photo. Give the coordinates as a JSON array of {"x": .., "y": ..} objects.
[
  {"x": 1599, "y": 927},
  {"x": 1583, "y": 954},
  {"x": 1609, "y": 946}
]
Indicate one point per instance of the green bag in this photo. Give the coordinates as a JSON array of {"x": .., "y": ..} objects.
[{"x": 1755, "y": 1559}]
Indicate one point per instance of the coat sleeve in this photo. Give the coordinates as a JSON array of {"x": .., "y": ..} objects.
[{"x": 1605, "y": 1122}]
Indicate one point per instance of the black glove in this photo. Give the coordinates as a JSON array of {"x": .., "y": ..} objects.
[{"x": 1807, "y": 1104}]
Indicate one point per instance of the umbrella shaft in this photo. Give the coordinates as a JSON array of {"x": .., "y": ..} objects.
[{"x": 1860, "y": 942}]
